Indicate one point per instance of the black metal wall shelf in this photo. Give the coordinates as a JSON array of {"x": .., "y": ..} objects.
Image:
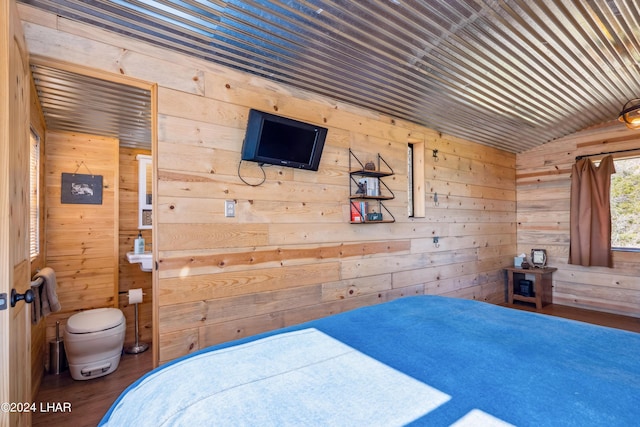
[{"x": 366, "y": 179}]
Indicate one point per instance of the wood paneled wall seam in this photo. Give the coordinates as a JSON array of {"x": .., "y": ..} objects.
[{"x": 290, "y": 254}]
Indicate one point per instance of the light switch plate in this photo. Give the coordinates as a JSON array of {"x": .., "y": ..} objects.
[{"x": 229, "y": 208}]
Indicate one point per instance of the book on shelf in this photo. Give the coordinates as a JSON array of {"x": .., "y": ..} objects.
[
  {"x": 359, "y": 211},
  {"x": 370, "y": 186},
  {"x": 364, "y": 207},
  {"x": 356, "y": 216}
]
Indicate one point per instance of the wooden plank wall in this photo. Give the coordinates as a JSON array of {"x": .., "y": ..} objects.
[
  {"x": 544, "y": 184},
  {"x": 290, "y": 254},
  {"x": 81, "y": 239},
  {"x": 129, "y": 275}
]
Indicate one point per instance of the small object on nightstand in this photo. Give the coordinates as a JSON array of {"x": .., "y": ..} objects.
[
  {"x": 517, "y": 260},
  {"x": 539, "y": 258},
  {"x": 525, "y": 264}
]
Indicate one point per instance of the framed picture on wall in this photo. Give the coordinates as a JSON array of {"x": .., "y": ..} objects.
[{"x": 81, "y": 189}]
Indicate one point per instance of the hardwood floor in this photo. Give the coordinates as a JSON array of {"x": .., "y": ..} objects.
[
  {"x": 589, "y": 316},
  {"x": 91, "y": 399}
]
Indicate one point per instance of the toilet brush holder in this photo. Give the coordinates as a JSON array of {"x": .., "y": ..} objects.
[
  {"x": 138, "y": 347},
  {"x": 57, "y": 356}
]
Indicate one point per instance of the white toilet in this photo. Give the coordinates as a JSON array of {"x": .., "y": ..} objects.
[{"x": 93, "y": 341}]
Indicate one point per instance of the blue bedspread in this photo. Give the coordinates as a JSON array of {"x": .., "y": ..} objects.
[{"x": 431, "y": 360}]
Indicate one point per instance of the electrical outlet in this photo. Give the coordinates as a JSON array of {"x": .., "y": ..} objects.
[{"x": 229, "y": 208}]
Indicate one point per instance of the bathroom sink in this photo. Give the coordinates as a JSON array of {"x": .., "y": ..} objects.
[{"x": 145, "y": 260}]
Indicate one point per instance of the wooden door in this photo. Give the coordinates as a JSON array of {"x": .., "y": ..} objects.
[{"x": 15, "y": 327}]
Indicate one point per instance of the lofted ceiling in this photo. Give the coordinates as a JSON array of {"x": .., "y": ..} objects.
[{"x": 511, "y": 74}]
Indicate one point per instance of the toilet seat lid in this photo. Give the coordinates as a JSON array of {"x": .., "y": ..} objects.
[{"x": 94, "y": 320}]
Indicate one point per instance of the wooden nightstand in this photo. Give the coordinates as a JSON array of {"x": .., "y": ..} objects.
[{"x": 541, "y": 285}]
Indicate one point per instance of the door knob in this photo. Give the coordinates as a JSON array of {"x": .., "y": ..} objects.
[{"x": 15, "y": 297}]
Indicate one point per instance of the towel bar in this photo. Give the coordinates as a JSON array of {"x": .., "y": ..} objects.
[{"x": 35, "y": 283}]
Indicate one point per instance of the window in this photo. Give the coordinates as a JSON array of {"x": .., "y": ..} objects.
[
  {"x": 415, "y": 179},
  {"x": 34, "y": 196},
  {"x": 625, "y": 205},
  {"x": 410, "y": 206}
]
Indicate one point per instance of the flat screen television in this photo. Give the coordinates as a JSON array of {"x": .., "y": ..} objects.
[{"x": 281, "y": 141}]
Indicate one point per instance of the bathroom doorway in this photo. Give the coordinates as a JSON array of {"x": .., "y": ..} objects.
[{"x": 96, "y": 124}]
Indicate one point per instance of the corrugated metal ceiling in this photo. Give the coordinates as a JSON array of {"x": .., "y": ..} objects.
[
  {"x": 511, "y": 74},
  {"x": 84, "y": 104}
]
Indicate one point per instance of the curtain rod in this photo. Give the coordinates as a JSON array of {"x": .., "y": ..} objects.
[{"x": 605, "y": 153}]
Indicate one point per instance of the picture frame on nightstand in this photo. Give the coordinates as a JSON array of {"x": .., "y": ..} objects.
[{"x": 539, "y": 258}]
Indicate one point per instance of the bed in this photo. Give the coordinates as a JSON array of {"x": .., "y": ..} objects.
[{"x": 420, "y": 360}]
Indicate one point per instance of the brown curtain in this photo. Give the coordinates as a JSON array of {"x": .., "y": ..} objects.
[{"x": 591, "y": 213}]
